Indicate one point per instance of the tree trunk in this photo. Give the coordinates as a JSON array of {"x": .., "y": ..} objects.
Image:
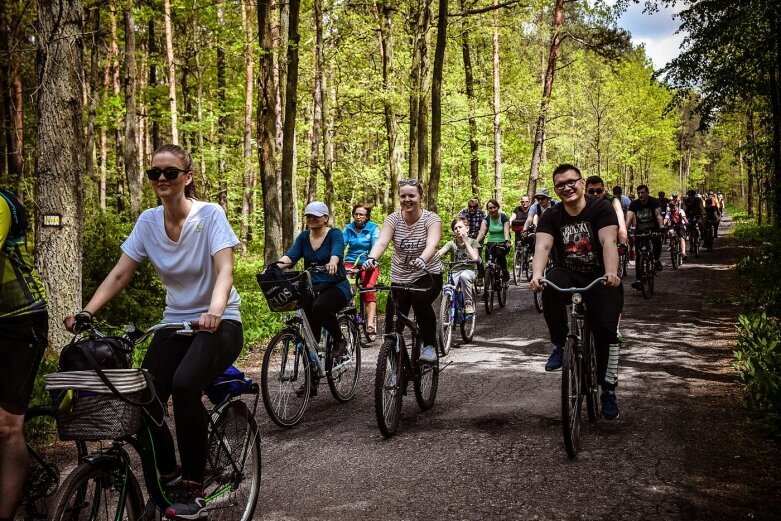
[
  {"x": 288, "y": 143},
  {"x": 547, "y": 89},
  {"x": 94, "y": 90},
  {"x": 751, "y": 161},
  {"x": 474, "y": 160},
  {"x": 283, "y": 37},
  {"x": 267, "y": 131},
  {"x": 13, "y": 110},
  {"x": 315, "y": 131},
  {"x": 132, "y": 170},
  {"x": 169, "y": 54},
  {"x": 222, "y": 120},
  {"x": 118, "y": 136},
  {"x": 775, "y": 104},
  {"x": 497, "y": 111},
  {"x": 153, "y": 114},
  {"x": 60, "y": 157},
  {"x": 385, "y": 33},
  {"x": 328, "y": 88},
  {"x": 420, "y": 21},
  {"x": 436, "y": 107},
  {"x": 249, "y": 78}
]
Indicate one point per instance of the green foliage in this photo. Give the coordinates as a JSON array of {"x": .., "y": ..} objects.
[
  {"x": 258, "y": 321},
  {"x": 761, "y": 269},
  {"x": 758, "y": 360}
]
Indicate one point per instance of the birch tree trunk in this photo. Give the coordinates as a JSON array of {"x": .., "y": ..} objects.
[
  {"x": 169, "y": 54},
  {"x": 249, "y": 78},
  {"x": 328, "y": 88},
  {"x": 94, "y": 94},
  {"x": 132, "y": 170},
  {"x": 13, "y": 109},
  {"x": 283, "y": 36},
  {"x": 420, "y": 22},
  {"x": 222, "y": 120},
  {"x": 547, "y": 89},
  {"x": 497, "y": 111},
  {"x": 267, "y": 132},
  {"x": 60, "y": 157},
  {"x": 436, "y": 107},
  {"x": 315, "y": 129},
  {"x": 288, "y": 143},
  {"x": 385, "y": 34},
  {"x": 474, "y": 160},
  {"x": 153, "y": 116}
]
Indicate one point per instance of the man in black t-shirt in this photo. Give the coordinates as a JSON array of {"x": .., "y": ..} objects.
[
  {"x": 520, "y": 213},
  {"x": 646, "y": 214},
  {"x": 583, "y": 233}
]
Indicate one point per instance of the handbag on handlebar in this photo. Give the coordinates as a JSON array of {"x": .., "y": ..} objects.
[{"x": 285, "y": 290}]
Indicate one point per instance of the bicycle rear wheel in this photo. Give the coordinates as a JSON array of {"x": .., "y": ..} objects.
[
  {"x": 517, "y": 265},
  {"x": 285, "y": 379},
  {"x": 527, "y": 264},
  {"x": 98, "y": 494},
  {"x": 446, "y": 322},
  {"x": 389, "y": 386},
  {"x": 427, "y": 379},
  {"x": 571, "y": 398},
  {"x": 644, "y": 274},
  {"x": 674, "y": 253},
  {"x": 695, "y": 242},
  {"x": 590, "y": 385},
  {"x": 488, "y": 291},
  {"x": 468, "y": 327},
  {"x": 233, "y": 465},
  {"x": 343, "y": 375}
]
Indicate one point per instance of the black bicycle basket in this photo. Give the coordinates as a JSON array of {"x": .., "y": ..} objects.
[{"x": 285, "y": 290}]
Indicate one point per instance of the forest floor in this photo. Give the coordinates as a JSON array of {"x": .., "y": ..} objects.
[{"x": 684, "y": 447}]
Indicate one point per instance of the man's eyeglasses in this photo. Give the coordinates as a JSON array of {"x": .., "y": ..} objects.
[
  {"x": 596, "y": 191},
  {"x": 410, "y": 182},
  {"x": 472, "y": 207},
  {"x": 356, "y": 215},
  {"x": 569, "y": 183},
  {"x": 169, "y": 173}
]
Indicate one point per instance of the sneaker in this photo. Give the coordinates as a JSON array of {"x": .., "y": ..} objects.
[
  {"x": 469, "y": 309},
  {"x": 658, "y": 266},
  {"x": 637, "y": 285},
  {"x": 555, "y": 359},
  {"x": 609, "y": 405},
  {"x": 428, "y": 354},
  {"x": 339, "y": 348},
  {"x": 190, "y": 504}
]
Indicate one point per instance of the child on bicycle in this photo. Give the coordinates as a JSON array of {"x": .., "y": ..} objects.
[{"x": 462, "y": 248}]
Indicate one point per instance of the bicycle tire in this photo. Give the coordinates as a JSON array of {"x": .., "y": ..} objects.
[
  {"x": 643, "y": 267},
  {"x": 95, "y": 488},
  {"x": 233, "y": 490},
  {"x": 590, "y": 375},
  {"x": 468, "y": 328},
  {"x": 517, "y": 265},
  {"x": 488, "y": 291},
  {"x": 446, "y": 318},
  {"x": 537, "y": 295},
  {"x": 651, "y": 280},
  {"x": 695, "y": 242},
  {"x": 45, "y": 462},
  {"x": 527, "y": 264},
  {"x": 674, "y": 254},
  {"x": 426, "y": 381},
  {"x": 287, "y": 374},
  {"x": 389, "y": 387},
  {"x": 501, "y": 295},
  {"x": 344, "y": 384},
  {"x": 571, "y": 398}
]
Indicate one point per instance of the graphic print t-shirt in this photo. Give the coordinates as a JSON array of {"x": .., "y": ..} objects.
[
  {"x": 409, "y": 241},
  {"x": 576, "y": 237},
  {"x": 646, "y": 215}
]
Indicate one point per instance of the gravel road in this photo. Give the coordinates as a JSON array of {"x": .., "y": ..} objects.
[{"x": 685, "y": 446}]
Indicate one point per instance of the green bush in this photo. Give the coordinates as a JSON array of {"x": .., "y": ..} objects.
[{"x": 758, "y": 360}]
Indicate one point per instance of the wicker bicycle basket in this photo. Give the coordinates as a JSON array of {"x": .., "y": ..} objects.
[{"x": 288, "y": 294}]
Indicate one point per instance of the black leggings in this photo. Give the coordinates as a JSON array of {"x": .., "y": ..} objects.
[
  {"x": 183, "y": 367},
  {"x": 421, "y": 303},
  {"x": 321, "y": 312},
  {"x": 495, "y": 252},
  {"x": 603, "y": 308}
]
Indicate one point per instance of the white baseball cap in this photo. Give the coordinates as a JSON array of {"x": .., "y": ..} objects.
[{"x": 316, "y": 208}]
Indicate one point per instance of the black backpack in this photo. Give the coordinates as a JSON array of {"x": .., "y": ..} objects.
[{"x": 19, "y": 222}]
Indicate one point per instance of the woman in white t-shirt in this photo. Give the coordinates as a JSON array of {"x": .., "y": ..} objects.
[
  {"x": 415, "y": 233},
  {"x": 190, "y": 244}
]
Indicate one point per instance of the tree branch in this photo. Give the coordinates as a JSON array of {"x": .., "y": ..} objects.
[{"x": 509, "y": 3}]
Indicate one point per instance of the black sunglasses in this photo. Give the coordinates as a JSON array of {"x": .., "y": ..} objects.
[
  {"x": 472, "y": 207},
  {"x": 169, "y": 173},
  {"x": 596, "y": 191},
  {"x": 410, "y": 182}
]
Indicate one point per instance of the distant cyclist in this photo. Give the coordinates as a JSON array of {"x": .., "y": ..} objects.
[
  {"x": 473, "y": 215},
  {"x": 595, "y": 189},
  {"x": 359, "y": 237},
  {"x": 584, "y": 232},
  {"x": 663, "y": 201},
  {"x": 496, "y": 230},
  {"x": 543, "y": 202},
  {"x": 695, "y": 210},
  {"x": 463, "y": 248},
  {"x": 646, "y": 214},
  {"x": 415, "y": 233},
  {"x": 675, "y": 219},
  {"x": 712, "y": 216},
  {"x": 625, "y": 201},
  {"x": 520, "y": 214}
]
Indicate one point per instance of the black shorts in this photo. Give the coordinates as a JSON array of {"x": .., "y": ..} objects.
[{"x": 23, "y": 341}]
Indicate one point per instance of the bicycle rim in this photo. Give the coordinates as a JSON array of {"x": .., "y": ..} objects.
[
  {"x": 517, "y": 266},
  {"x": 285, "y": 379},
  {"x": 571, "y": 399},
  {"x": 468, "y": 328},
  {"x": 488, "y": 291},
  {"x": 95, "y": 494},
  {"x": 343, "y": 375},
  {"x": 427, "y": 380},
  {"x": 232, "y": 485},
  {"x": 388, "y": 388},
  {"x": 501, "y": 295},
  {"x": 446, "y": 322},
  {"x": 590, "y": 385},
  {"x": 537, "y": 301},
  {"x": 527, "y": 264}
]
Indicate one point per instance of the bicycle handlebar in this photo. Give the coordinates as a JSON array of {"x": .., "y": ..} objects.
[{"x": 593, "y": 283}]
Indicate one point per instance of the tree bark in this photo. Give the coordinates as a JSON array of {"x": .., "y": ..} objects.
[
  {"x": 315, "y": 129},
  {"x": 420, "y": 22},
  {"x": 497, "y": 112},
  {"x": 328, "y": 88},
  {"x": 288, "y": 143},
  {"x": 153, "y": 115},
  {"x": 94, "y": 94},
  {"x": 775, "y": 104},
  {"x": 169, "y": 54},
  {"x": 267, "y": 132},
  {"x": 436, "y": 107},
  {"x": 60, "y": 157},
  {"x": 474, "y": 160},
  {"x": 132, "y": 170},
  {"x": 249, "y": 78},
  {"x": 283, "y": 35},
  {"x": 222, "y": 120},
  {"x": 118, "y": 137},
  {"x": 13, "y": 109},
  {"x": 547, "y": 89}
]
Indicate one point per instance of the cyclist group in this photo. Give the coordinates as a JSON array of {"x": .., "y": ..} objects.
[{"x": 190, "y": 245}]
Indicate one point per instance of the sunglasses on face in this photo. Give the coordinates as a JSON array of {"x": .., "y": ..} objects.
[
  {"x": 596, "y": 191},
  {"x": 569, "y": 183},
  {"x": 472, "y": 207},
  {"x": 169, "y": 173},
  {"x": 409, "y": 182}
]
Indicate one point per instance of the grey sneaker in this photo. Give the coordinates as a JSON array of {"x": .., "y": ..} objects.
[
  {"x": 190, "y": 504},
  {"x": 428, "y": 354}
]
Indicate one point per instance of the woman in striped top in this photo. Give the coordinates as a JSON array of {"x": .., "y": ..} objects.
[{"x": 415, "y": 233}]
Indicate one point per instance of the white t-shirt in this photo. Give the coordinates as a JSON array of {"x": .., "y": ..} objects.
[{"x": 185, "y": 267}]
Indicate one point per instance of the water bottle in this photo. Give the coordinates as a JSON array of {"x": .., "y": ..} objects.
[{"x": 313, "y": 366}]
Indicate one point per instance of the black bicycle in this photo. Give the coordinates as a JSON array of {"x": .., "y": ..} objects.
[
  {"x": 645, "y": 269},
  {"x": 676, "y": 255},
  {"x": 396, "y": 366},
  {"x": 494, "y": 283},
  {"x": 695, "y": 225},
  {"x": 522, "y": 261},
  {"x": 369, "y": 328},
  {"x": 579, "y": 369}
]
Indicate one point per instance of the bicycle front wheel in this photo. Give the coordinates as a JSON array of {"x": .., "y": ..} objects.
[
  {"x": 468, "y": 327},
  {"x": 98, "y": 494},
  {"x": 285, "y": 379},
  {"x": 488, "y": 291},
  {"x": 674, "y": 253},
  {"x": 571, "y": 398},
  {"x": 389, "y": 387},
  {"x": 501, "y": 294},
  {"x": 426, "y": 381},
  {"x": 233, "y": 465},
  {"x": 590, "y": 385},
  {"x": 537, "y": 300},
  {"x": 518, "y": 265},
  {"x": 446, "y": 322},
  {"x": 343, "y": 374}
]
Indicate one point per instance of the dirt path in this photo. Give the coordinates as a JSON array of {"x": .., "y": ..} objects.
[{"x": 491, "y": 448}]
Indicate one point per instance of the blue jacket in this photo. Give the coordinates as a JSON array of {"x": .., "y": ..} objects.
[
  {"x": 333, "y": 245},
  {"x": 360, "y": 242}
]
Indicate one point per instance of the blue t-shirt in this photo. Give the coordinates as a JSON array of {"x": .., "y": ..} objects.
[
  {"x": 333, "y": 245},
  {"x": 360, "y": 242}
]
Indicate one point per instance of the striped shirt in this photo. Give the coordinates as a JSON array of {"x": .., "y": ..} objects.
[{"x": 409, "y": 241}]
